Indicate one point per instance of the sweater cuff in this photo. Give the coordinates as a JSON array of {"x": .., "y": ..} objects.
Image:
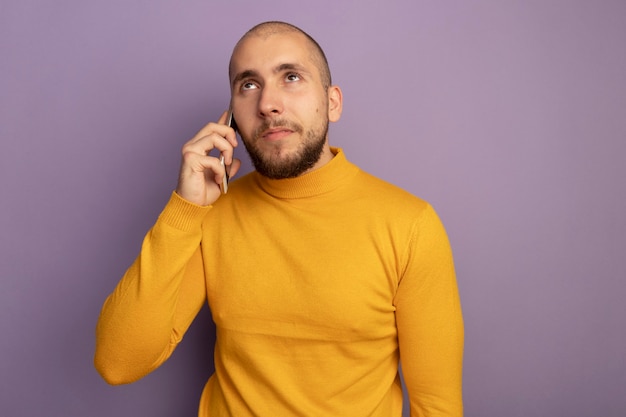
[{"x": 183, "y": 215}]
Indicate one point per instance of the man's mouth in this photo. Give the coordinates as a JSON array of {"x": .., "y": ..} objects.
[
  {"x": 276, "y": 133},
  {"x": 276, "y": 130}
]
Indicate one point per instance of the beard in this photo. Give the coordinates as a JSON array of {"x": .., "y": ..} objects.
[{"x": 273, "y": 164}]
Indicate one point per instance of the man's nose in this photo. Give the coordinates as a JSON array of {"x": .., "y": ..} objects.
[{"x": 270, "y": 101}]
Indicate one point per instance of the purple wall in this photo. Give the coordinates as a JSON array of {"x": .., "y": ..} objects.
[{"x": 509, "y": 116}]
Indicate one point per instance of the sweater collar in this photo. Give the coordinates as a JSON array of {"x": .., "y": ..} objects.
[{"x": 336, "y": 173}]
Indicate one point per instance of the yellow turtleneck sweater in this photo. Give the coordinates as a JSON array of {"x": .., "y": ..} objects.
[{"x": 318, "y": 285}]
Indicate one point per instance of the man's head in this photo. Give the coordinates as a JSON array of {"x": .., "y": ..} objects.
[
  {"x": 316, "y": 52},
  {"x": 282, "y": 99}
]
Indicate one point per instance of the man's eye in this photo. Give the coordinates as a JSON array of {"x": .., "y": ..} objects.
[
  {"x": 248, "y": 86},
  {"x": 293, "y": 77}
]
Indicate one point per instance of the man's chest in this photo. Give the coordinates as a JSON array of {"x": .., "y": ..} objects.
[{"x": 307, "y": 278}]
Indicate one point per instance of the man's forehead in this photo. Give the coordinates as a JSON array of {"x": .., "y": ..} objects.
[
  {"x": 266, "y": 43},
  {"x": 270, "y": 50}
]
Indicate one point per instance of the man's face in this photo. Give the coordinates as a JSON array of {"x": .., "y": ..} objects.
[{"x": 280, "y": 105}]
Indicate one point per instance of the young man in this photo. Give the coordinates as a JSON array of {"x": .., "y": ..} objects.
[{"x": 320, "y": 277}]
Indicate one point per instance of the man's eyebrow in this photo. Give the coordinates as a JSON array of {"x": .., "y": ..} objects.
[
  {"x": 279, "y": 68},
  {"x": 290, "y": 67},
  {"x": 244, "y": 74}
]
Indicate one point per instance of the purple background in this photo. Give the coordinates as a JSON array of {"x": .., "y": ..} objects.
[{"x": 508, "y": 116}]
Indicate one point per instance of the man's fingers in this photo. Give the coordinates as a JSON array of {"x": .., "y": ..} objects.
[
  {"x": 205, "y": 144},
  {"x": 233, "y": 168},
  {"x": 194, "y": 162},
  {"x": 220, "y": 128},
  {"x": 223, "y": 118},
  {"x": 201, "y": 171}
]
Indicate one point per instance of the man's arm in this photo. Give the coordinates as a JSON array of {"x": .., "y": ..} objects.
[
  {"x": 150, "y": 309},
  {"x": 430, "y": 323},
  {"x": 146, "y": 316}
]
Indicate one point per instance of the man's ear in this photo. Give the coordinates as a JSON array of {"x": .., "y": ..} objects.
[{"x": 335, "y": 103}]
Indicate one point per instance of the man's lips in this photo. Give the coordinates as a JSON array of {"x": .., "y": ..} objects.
[{"x": 276, "y": 133}]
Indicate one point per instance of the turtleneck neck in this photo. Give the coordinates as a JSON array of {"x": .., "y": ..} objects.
[{"x": 336, "y": 173}]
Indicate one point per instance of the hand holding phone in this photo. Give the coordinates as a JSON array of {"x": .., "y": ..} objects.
[{"x": 200, "y": 180}]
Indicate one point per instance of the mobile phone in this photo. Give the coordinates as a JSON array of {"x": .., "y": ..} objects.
[
  {"x": 231, "y": 123},
  {"x": 231, "y": 120}
]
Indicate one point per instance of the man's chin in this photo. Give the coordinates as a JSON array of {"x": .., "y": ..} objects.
[
  {"x": 284, "y": 165},
  {"x": 278, "y": 154},
  {"x": 285, "y": 159}
]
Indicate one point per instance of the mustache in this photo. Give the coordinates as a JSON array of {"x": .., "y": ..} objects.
[{"x": 271, "y": 124}]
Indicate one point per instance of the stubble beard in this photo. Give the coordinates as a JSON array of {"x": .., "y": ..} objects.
[{"x": 274, "y": 164}]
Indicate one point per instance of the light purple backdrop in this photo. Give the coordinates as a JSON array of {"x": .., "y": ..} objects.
[{"x": 508, "y": 116}]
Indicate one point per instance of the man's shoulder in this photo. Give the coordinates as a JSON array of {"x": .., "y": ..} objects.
[{"x": 385, "y": 191}]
